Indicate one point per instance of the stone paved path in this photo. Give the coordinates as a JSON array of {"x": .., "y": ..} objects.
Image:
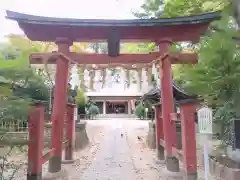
[{"x": 113, "y": 161}]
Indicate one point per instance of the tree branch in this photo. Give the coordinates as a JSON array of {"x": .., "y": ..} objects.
[{"x": 214, "y": 28}]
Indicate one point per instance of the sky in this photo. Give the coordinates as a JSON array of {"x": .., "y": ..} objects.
[{"x": 85, "y": 9}]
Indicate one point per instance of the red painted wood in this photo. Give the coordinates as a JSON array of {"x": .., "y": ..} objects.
[
  {"x": 175, "y": 58},
  {"x": 47, "y": 156},
  {"x": 36, "y": 142},
  {"x": 189, "y": 137},
  {"x": 70, "y": 132},
  {"x": 59, "y": 105},
  {"x": 180, "y": 32},
  {"x": 63, "y": 44},
  {"x": 167, "y": 98}
]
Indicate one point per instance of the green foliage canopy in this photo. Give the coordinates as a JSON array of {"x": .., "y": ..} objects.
[{"x": 216, "y": 77}]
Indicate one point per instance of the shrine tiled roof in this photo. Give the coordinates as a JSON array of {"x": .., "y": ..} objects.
[{"x": 154, "y": 95}]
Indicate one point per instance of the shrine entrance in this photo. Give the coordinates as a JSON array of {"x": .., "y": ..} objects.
[
  {"x": 114, "y": 107},
  {"x": 163, "y": 32}
]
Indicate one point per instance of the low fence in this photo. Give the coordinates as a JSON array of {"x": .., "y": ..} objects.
[
  {"x": 14, "y": 126},
  {"x": 42, "y": 134},
  {"x": 17, "y": 131},
  {"x": 13, "y": 132},
  {"x": 43, "y": 139},
  {"x": 178, "y": 144}
]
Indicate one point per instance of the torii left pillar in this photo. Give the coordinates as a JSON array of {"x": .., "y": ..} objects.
[{"x": 59, "y": 106}]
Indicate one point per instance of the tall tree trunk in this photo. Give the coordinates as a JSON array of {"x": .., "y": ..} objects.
[
  {"x": 46, "y": 69},
  {"x": 149, "y": 75},
  {"x": 92, "y": 76},
  {"x": 139, "y": 71},
  {"x": 128, "y": 77},
  {"x": 81, "y": 77},
  {"x": 104, "y": 72}
]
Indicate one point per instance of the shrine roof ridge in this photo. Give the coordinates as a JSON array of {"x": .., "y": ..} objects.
[
  {"x": 179, "y": 94},
  {"x": 33, "y": 19}
]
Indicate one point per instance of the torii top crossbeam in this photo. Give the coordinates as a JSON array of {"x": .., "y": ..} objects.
[{"x": 178, "y": 29}]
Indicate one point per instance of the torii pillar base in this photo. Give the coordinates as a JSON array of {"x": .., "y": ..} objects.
[
  {"x": 160, "y": 153},
  {"x": 159, "y": 133},
  {"x": 191, "y": 176},
  {"x": 172, "y": 164},
  {"x": 34, "y": 176},
  {"x": 63, "y": 174}
]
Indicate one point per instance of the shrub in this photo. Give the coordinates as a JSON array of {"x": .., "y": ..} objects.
[
  {"x": 93, "y": 110},
  {"x": 140, "y": 110},
  {"x": 81, "y": 101}
]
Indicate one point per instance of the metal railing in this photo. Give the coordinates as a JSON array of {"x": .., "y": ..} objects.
[{"x": 14, "y": 126}]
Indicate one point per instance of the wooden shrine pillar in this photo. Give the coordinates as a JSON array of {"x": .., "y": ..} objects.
[
  {"x": 167, "y": 102},
  {"x": 159, "y": 132},
  {"x": 187, "y": 115},
  {"x": 36, "y": 142},
  {"x": 59, "y": 106}
]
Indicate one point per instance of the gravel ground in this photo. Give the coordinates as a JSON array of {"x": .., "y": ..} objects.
[
  {"x": 83, "y": 158},
  {"x": 117, "y": 151}
]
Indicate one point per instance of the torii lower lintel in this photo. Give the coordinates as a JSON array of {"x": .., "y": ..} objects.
[{"x": 50, "y": 58}]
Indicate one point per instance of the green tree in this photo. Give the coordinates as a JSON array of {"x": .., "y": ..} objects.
[
  {"x": 18, "y": 82},
  {"x": 216, "y": 76},
  {"x": 81, "y": 101},
  {"x": 174, "y": 8},
  {"x": 19, "y": 88},
  {"x": 140, "y": 111}
]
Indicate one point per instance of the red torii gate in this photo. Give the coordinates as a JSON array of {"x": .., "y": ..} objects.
[{"x": 66, "y": 31}]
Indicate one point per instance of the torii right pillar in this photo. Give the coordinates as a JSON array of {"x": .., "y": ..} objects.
[
  {"x": 167, "y": 101},
  {"x": 187, "y": 110}
]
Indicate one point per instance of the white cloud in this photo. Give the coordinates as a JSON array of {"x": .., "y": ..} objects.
[{"x": 92, "y": 9}]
